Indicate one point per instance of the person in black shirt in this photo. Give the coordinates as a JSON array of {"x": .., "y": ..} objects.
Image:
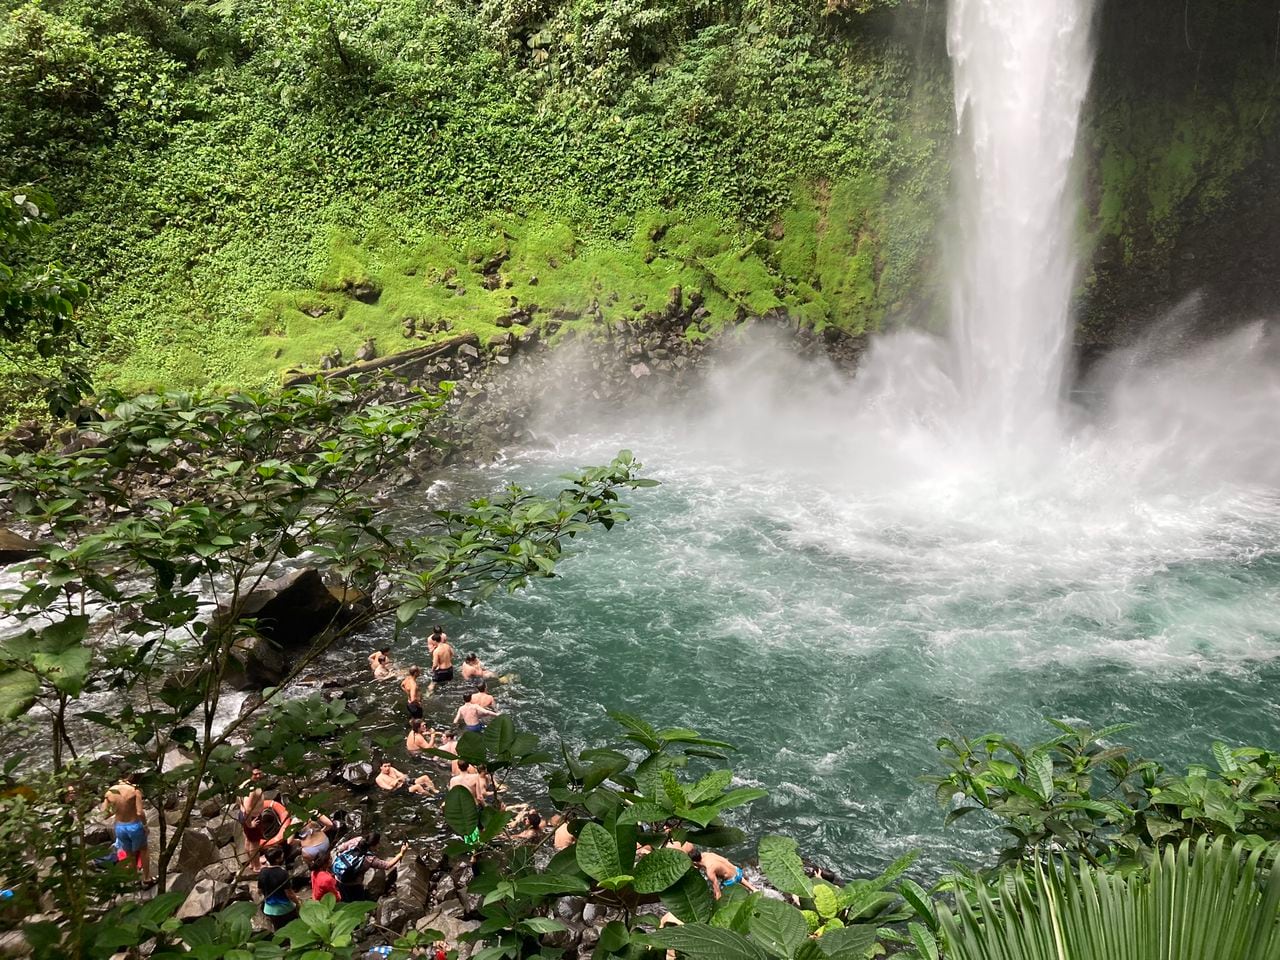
[{"x": 279, "y": 902}]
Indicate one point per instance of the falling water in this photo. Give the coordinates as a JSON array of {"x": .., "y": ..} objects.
[{"x": 1021, "y": 70}]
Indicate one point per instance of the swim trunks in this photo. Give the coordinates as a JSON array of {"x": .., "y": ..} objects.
[
  {"x": 475, "y": 727},
  {"x": 131, "y": 837},
  {"x": 737, "y": 879},
  {"x": 443, "y": 675},
  {"x": 252, "y": 831},
  {"x": 415, "y": 710}
]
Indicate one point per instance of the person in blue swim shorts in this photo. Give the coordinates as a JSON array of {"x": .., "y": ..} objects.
[
  {"x": 721, "y": 872},
  {"x": 124, "y": 802}
]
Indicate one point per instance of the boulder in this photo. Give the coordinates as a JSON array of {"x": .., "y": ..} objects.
[
  {"x": 293, "y": 610},
  {"x": 368, "y": 351},
  {"x": 15, "y": 548},
  {"x": 197, "y": 851},
  {"x": 407, "y": 903},
  {"x": 447, "y": 919},
  {"x": 639, "y": 370},
  {"x": 365, "y": 291},
  {"x": 205, "y": 897}
]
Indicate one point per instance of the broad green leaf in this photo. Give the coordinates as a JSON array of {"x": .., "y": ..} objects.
[
  {"x": 596, "y": 852},
  {"x": 698, "y": 941},
  {"x": 690, "y": 899},
  {"x": 783, "y": 866},
  {"x": 848, "y": 943},
  {"x": 924, "y": 941},
  {"x": 710, "y": 786},
  {"x": 499, "y": 735},
  {"x": 778, "y": 927},
  {"x": 541, "y": 925},
  {"x": 460, "y": 811},
  {"x": 549, "y": 884},
  {"x": 660, "y": 869},
  {"x": 825, "y": 901},
  {"x": 18, "y": 690}
]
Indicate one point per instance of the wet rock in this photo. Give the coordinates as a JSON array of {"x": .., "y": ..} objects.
[
  {"x": 294, "y": 609},
  {"x": 468, "y": 351},
  {"x": 358, "y": 775},
  {"x": 639, "y": 370},
  {"x": 15, "y": 548}
]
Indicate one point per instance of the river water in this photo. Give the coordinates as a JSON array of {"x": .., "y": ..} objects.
[
  {"x": 791, "y": 589},
  {"x": 835, "y": 573}
]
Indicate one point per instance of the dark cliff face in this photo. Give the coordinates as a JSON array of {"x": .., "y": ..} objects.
[{"x": 1183, "y": 160}]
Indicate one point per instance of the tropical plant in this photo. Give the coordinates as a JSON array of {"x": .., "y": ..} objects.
[
  {"x": 1097, "y": 799},
  {"x": 158, "y": 525},
  {"x": 1195, "y": 901}
]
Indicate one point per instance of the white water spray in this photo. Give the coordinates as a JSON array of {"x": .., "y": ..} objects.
[{"x": 1021, "y": 72}]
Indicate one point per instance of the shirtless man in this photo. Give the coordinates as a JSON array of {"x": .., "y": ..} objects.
[
  {"x": 473, "y": 669},
  {"x": 469, "y": 715},
  {"x": 721, "y": 872},
  {"x": 124, "y": 802},
  {"x": 481, "y": 696},
  {"x": 442, "y": 662},
  {"x": 437, "y": 637},
  {"x": 389, "y": 778},
  {"x": 473, "y": 780},
  {"x": 380, "y": 664},
  {"x": 410, "y": 687}
]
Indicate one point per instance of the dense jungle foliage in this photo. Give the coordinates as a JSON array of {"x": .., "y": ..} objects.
[{"x": 248, "y": 185}]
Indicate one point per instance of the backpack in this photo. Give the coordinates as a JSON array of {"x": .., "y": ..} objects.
[{"x": 348, "y": 865}]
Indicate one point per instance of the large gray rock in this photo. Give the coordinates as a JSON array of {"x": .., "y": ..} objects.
[
  {"x": 205, "y": 897},
  {"x": 197, "y": 851},
  {"x": 447, "y": 919},
  {"x": 407, "y": 903},
  {"x": 290, "y": 612}
]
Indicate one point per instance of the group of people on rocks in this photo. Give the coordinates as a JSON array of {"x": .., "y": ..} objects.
[{"x": 337, "y": 863}]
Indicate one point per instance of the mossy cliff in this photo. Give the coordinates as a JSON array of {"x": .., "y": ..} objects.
[{"x": 249, "y": 186}]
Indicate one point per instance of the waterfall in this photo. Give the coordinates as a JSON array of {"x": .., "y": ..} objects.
[{"x": 1021, "y": 72}]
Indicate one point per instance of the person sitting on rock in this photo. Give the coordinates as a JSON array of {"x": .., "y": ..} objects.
[
  {"x": 417, "y": 740},
  {"x": 380, "y": 664},
  {"x": 410, "y": 687},
  {"x": 473, "y": 669},
  {"x": 720, "y": 871},
  {"x": 469, "y": 715},
  {"x": 481, "y": 696},
  {"x": 353, "y": 857}
]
